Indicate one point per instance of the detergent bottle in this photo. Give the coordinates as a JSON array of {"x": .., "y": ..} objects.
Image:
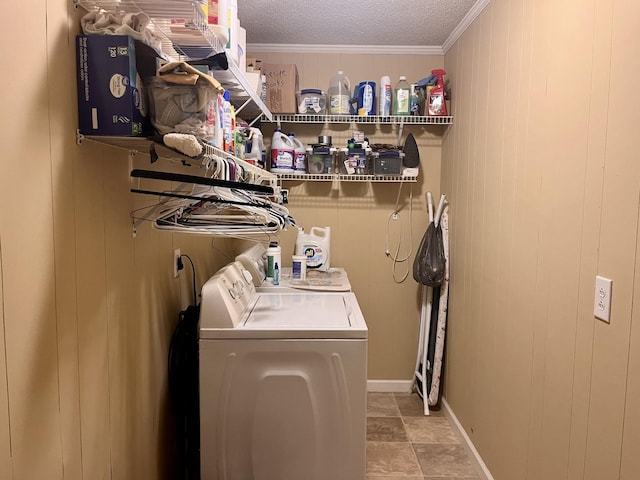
[
  {"x": 339, "y": 94},
  {"x": 315, "y": 247},
  {"x": 299, "y": 162},
  {"x": 436, "y": 105},
  {"x": 282, "y": 153}
]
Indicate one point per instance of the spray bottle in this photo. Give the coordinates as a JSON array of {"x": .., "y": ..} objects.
[
  {"x": 436, "y": 105},
  {"x": 254, "y": 147}
]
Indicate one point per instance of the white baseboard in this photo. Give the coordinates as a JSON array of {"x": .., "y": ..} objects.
[
  {"x": 479, "y": 464},
  {"x": 395, "y": 386}
]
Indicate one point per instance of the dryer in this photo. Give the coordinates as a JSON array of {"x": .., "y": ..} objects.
[{"x": 282, "y": 382}]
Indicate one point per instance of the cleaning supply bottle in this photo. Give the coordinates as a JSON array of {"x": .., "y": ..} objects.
[
  {"x": 401, "y": 97},
  {"x": 414, "y": 100},
  {"x": 254, "y": 146},
  {"x": 274, "y": 257},
  {"x": 315, "y": 246},
  {"x": 384, "y": 109},
  {"x": 282, "y": 153},
  {"x": 436, "y": 104},
  {"x": 227, "y": 124},
  {"x": 218, "y": 140},
  {"x": 299, "y": 162},
  {"x": 339, "y": 94}
]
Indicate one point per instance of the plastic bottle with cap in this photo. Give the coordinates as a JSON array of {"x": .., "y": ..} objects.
[
  {"x": 384, "y": 108},
  {"x": 274, "y": 257},
  {"x": 339, "y": 94},
  {"x": 300, "y": 158},
  {"x": 401, "y": 97}
]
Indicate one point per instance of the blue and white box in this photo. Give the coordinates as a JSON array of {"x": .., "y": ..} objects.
[{"x": 111, "y": 96}]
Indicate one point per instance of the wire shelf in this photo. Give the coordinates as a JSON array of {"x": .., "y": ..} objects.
[
  {"x": 373, "y": 119},
  {"x": 182, "y": 27},
  {"x": 340, "y": 177}
]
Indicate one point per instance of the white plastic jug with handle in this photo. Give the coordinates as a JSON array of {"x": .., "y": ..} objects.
[
  {"x": 339, "y": 94},
  {"x": 282, "y": 153},
  {"x": 315, "y": 247},
  {"x": 299, "y": 163}
]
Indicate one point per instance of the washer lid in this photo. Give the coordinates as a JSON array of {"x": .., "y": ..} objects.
[
  {"x": 298, "y": 311},
  {"x": 298, "y": 315}
]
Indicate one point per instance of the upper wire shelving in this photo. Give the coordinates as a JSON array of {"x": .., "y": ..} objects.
[
  {"x": 181, "y": 25},
  {"x": 357, "y": 119}
]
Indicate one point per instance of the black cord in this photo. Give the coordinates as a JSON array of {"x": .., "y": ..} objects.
[{"x": 193, "y": 272}]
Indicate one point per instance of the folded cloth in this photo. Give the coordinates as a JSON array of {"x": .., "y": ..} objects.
[
  {"x": 181, "y": 108},
  {"x": 135, "y": 25}
]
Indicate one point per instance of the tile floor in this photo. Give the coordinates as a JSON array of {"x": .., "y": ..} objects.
[{"x": 403, "y": 444}]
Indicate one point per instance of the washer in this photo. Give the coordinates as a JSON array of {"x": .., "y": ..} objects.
[
  {"x": 254, "y": 259},
  {"x": 282, "y": 382}
]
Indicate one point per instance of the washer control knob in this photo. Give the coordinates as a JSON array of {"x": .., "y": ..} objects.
[{"x": 247, "y": 276}]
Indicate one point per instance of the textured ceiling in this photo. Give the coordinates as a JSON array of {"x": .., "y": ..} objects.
[{"x": 344, "y": 22}]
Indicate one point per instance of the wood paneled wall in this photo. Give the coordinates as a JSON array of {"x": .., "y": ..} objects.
[
  {"x": 87, "y": 310},
  {"x": 359, "y": 213},
  {"x": 542, "y": 171}
]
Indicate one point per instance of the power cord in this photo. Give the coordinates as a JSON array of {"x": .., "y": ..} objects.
[
  {"x": 395, "y": 216},
  {"x": 193, "y": 275}
]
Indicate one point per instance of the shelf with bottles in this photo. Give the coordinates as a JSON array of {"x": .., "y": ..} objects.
[
  {"x": 341, "y": 177},
  {"x": 357, "y": 119},
  {"x": 181, "y": 28}
]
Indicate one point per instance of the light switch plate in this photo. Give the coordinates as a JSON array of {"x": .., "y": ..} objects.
[{"x": 602, "y": 301}]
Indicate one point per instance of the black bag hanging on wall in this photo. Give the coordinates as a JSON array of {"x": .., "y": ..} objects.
[{"x": 428, "y": 266}]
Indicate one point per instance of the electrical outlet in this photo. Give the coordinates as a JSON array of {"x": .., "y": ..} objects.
[
  {"x": 176, "y": 262},
  {"x": 602, "y": 300}
]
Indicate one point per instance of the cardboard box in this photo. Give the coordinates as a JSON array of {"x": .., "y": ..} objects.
[
  {"x": 111, "y": 96},
  {"x": 282, "y": 85}
]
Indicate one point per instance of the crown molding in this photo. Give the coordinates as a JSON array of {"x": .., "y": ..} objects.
[
  {"x": 464, "y": 24},
  {"x": 358, "y": 49}
]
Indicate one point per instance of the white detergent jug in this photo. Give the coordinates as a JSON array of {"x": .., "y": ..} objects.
[
  {"x": 282, "y": 153},
  {"x": 299, "y": 163},
  {"x": 315, "y": 246}
]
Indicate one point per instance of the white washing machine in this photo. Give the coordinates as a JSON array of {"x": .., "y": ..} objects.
[
  {"x": 254, "y": 259},
  {"x": 282, "y": 382}
]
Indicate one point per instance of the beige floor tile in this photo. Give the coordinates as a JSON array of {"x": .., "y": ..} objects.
[
  {"x": 382, "y": 405},
  {"x": 410, "y": 405},
  {"x": 396, "y": 477},
  {"x": 386, "y": 429},
  {"x": 451, "y": 478},
  {"x": 391, "y": 459},
  {"x": 438, "y": 460},
  {"x": 429, "y": 430}
]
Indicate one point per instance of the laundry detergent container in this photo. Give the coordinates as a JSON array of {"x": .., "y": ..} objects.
[{"x": 182, "y": 108}]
